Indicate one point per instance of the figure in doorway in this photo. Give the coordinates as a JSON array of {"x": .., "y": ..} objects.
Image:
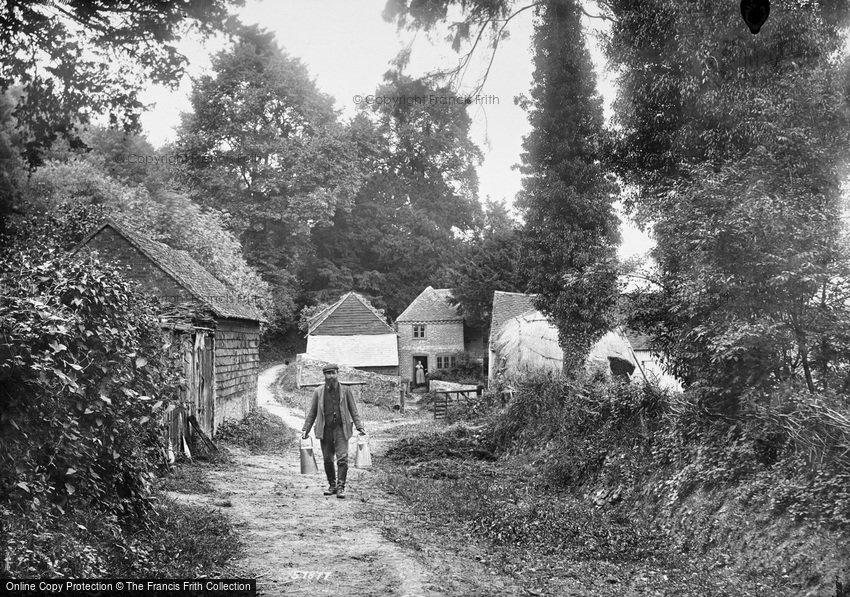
[{"x": 420, "y": 374}]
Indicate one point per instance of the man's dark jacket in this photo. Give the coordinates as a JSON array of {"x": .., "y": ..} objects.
[{"x": 347, "y": 408}]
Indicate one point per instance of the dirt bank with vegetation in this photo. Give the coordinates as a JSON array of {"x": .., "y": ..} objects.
[{"x": 613, "y": 490}]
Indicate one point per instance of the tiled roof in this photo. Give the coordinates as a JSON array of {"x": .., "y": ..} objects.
[
  {"x": 506, "y": 306},
  {"x": 637, "y": 340},
  {"x": 350, "y": 315},
  {"x": 187, "y": 272},
  {"x": 431, "y": 305}
]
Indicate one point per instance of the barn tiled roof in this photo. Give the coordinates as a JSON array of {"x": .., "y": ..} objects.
[
  {"x": 637, "y": 340},
  {"x": 431, "y": 305},
  {"x": 506, "y": 306},
  {"x": 187, "y": 272},
  {"x": 350, "y": 315}
]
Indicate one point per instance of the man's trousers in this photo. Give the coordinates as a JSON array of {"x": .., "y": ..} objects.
[{"x": 335, "y": 444}]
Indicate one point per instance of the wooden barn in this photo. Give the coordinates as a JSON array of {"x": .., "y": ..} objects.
[
  {"x": 353, "y": 333},
  {"x": 219, "y": 342}
]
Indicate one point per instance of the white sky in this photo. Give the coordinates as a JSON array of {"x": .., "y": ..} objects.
[{"x": 347, "y": 47}]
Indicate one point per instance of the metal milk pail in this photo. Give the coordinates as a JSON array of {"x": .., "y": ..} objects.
[
  {"x": 362, "y": 459},
  {"x": 308, "y": 459}
]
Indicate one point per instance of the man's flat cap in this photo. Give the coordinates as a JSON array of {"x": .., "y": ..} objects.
[{"x": 331, "y": 367}]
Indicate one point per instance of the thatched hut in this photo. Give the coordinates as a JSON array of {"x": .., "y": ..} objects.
[{"x": 528, "y": 344}]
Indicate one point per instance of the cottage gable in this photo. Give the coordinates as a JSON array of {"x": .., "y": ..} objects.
[
  {"x": 430, "y": 334},
  {"x": 431, "y": 305},
  {"x": 351, "y": 315}
]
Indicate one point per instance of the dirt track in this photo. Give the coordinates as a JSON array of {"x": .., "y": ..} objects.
[{"x": 299, "y": 542}]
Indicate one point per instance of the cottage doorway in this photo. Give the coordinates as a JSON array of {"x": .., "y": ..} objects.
[{"x": 418, "y": 379}]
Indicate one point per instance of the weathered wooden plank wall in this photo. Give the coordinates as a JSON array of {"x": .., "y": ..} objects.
[{"x": 237, "y": 365}]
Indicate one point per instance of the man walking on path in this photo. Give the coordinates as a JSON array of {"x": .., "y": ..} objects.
[{"x": 332, "y": 409}]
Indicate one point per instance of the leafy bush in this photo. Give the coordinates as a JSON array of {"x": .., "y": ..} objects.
[
  {"x": 260, "y": 432},
  {"x": 173, "y": 541},
  {"x": 65, "y": 226},
  {"x": 793, "y": 454},
  {"x": 460, "y": 442},
  {"x": 466, "y": 370},
  {"x": 84, "y": 378}
]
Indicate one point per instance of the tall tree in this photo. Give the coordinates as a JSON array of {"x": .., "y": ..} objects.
[
  {"x": 264, "y": 145},
  {"x": 407, "y": 220},
  {"x": 734, "y": 146},
  {"x": 571, "y": 231},
  {"x": 73, "y": 59},
  {"x": 69, "y": 61},
  {"x": 489, "y": 261},
  {"x": 12, "y": 165}
]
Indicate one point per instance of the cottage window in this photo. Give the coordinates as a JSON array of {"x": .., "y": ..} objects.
[
  {"x": 446, "y": 362},
  {"x": 419, "y": 331}
]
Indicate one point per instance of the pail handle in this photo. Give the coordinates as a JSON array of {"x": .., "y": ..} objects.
[{"x": 310, "y": 437}]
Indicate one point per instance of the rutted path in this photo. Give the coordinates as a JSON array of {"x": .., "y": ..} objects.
[{"x": 299, "y": 542}]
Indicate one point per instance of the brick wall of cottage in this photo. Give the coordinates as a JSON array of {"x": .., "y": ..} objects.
[{"x": 441, "y": 338}]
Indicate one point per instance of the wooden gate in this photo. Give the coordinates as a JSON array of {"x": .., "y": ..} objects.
[{"x": 444, "y": 400}]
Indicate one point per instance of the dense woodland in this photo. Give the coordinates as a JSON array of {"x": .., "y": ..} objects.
[
  {"x": 730, "y": 148},
  {"x": 726, "y": 146}
]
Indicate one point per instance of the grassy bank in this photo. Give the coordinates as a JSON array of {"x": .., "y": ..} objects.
[
  {"x": 641, "y": 489},
  {"x": 173, "y": 540}
]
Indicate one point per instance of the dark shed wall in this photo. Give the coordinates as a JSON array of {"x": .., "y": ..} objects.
[
  {"x": 475, "y": 342},
  {"x": 113, "y": 247},
  {"x": 352, "y": 318},
  {"x": 237, "y": 365}
]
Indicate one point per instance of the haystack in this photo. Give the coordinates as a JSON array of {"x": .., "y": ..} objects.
[
  {"x": 528, "y": 344},
  {"x": 612, "y": 353}
]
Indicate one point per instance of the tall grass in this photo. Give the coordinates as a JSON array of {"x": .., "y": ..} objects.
[{"x": 174, "y": 541}]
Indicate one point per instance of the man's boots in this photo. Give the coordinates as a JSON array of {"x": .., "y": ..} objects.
[
  {"x": 342, "y": 475},
  {"x": 332, "y": 489}
]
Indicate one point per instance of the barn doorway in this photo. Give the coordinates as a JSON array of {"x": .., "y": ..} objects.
[{"x": 195, "y": 347}]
